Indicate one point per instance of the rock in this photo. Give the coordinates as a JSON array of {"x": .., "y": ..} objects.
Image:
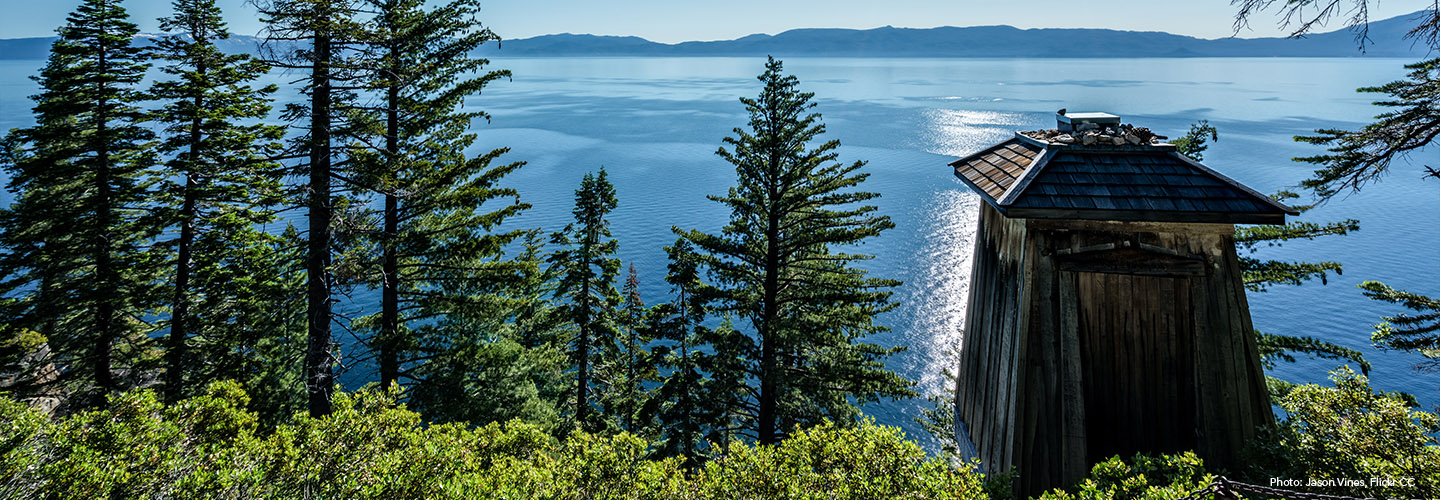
[
  {"x": 46, "y": 405},
  {"x": 1087, "y": 139},
  {"x": 1133, "y": 139},
  {"x": 1117, "y": 140},
  {"x": 1065, "y": 139}
]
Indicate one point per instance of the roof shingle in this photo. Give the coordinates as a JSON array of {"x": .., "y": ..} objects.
[{"x": 1150, "y": 182}]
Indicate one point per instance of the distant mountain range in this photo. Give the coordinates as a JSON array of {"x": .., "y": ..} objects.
[{"x": 977, "y": 41}]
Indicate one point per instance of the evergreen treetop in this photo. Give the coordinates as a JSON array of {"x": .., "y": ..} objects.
[
  {"x": 75, "y": 236},
  {"x": 219, "y": 184},
  {"x": 777, "y": 264},
  {"x": 587, "y": 269}
]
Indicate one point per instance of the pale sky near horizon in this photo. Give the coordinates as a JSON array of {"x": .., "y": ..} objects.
[{"x": 671, "y": 21}]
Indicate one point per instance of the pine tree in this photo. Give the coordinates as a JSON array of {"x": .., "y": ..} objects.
[
  {"x": 332, "y": 33},
  {"x": 537, "y": 322},
  {"x": 441, "y": 255},
  {"x": 1355, "y": 158},
  {"x": 1259, "y": 275},
  {"x": 679, "y": 402},
  {"x": 74, "y": 238},
  {"x": 219, "y": 185},
  {"x": 634, "y": 365},
  {"x": 587, "y": 269},
  {"x": 776, "y": 264}
]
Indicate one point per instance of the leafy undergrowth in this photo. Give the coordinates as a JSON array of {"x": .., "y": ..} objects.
[
  {"x": 370, "y": 447},
  {"x": 210, "y": 447}
]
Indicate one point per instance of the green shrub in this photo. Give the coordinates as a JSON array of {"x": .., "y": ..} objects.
[
  {"x": 370, "y": 447},
  {"x": 1349, "y": 431},
  {"x": 1144, "y": 477},
  {"x": 834, "y": 462}
]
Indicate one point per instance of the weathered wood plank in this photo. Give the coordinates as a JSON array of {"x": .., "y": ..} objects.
[{"x": 1074, "y": 464}]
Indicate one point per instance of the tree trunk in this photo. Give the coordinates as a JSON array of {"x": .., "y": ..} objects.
[
  {"x": 180, "y": 315},
  {"x": 319, "y": 361},
  {"x": 769, "y": 337},
  {"x": 582, "y": 406},
  {"x": 390, "y": 287},
  {"x": 632, "y": 389},
  {"x": 687, "y": 449},
  {"x": 104, "y": 267}
]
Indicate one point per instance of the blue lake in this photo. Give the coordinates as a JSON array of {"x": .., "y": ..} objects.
[{"x": 655, "y": 123}]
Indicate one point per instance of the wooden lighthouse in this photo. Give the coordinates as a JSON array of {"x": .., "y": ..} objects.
[{"x": 1107, "y": 315}]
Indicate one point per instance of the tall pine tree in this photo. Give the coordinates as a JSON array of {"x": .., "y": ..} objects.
[
  {"x": 74, "y": 239},
  {"x": 450, "y": 295},
  {"x": 777, "y": 264},
  {"x": 219, "y": 184},
  {"x": 681, "y": 401},
  {"x": 633, "y": 366},
  {"x": 322, "y": 39},
  {"x": 441, "y": 255},
  {"x": 587, "y": 267}
]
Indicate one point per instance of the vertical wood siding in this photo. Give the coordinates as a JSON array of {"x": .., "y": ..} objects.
[{"x": 1086, "y": 339}]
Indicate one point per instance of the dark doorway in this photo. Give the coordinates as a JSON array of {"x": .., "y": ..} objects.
[{"x": 1137, "y": 358}]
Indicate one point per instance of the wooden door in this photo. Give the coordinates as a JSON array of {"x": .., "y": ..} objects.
[{"x": 1137, "y": 363}]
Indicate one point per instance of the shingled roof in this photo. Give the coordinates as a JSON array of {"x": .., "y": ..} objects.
[{"x": 1026, "y": 177}]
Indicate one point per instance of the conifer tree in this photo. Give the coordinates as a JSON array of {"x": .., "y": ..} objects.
[
  {"x": 680, "y": 401},
  {"x": 219, "y": 185},
  {"x": 778, "y": 266},
  {"x": 1259, "y": 275},
  {"x": 587, "y": 269},
  {"x": 537, "y": 322},
  {"x": 1356, "y": 158},
  {"x": 441, "y": 255},
  {"x": 74, "y": 238},
  {"x": 633, "y": 365},
  {"x": 319, "y": 37}
]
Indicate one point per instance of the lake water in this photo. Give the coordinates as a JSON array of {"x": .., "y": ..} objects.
[{"x": 655, "y": 123}]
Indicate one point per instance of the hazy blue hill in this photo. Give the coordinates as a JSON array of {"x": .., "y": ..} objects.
[
  {"x": 980, "y": 41},
  {"x": 39, "y": 48},
  {"x": 976, "y": 41},
  {"x": 569, "y": 44},
  {"x": 25, "y": 48}
]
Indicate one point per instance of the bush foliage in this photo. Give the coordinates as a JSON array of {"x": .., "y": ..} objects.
[{"x": 211, "y": 447}]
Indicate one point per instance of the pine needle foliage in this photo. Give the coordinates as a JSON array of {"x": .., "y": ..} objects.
[
  {"x": 1356, "y": 158},
  {"x": 779, "y": 264},
  {"x": 438, "y": 253},
  {"x": 1418, "y": 332},
  {"x": 219, "y": 187},
  {"x": 1259, "y": 275},
  {"x": 586, "y": 265},
  {"x": 75, "y": 239}
]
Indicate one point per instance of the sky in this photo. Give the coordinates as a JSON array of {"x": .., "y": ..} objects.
[{"x": 671, "y": 21}]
